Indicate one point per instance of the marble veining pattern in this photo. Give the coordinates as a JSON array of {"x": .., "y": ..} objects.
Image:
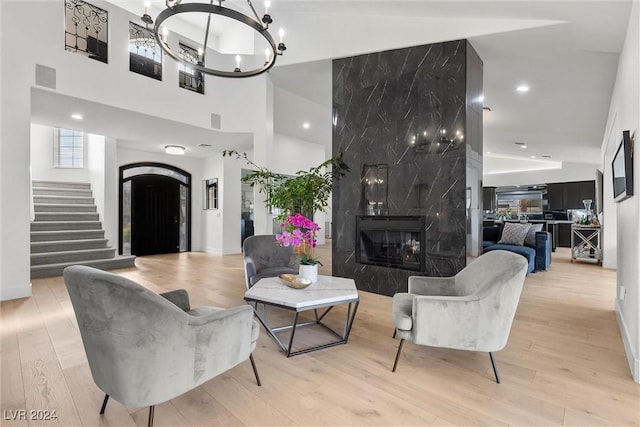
[{"x": 382, "y": 101}]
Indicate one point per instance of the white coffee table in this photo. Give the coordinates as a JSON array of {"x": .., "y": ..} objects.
[{"x": 327, "y": 292}]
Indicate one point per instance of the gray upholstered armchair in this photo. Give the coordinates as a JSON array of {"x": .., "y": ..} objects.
[
  {"x": 473, "y": 310},
  {"x": 143, "y": 348},
  {"x": 263, "y": 257}
]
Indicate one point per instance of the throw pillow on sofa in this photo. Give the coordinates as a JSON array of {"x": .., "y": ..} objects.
[
  {"x": 514, "y": 233},
  {"x": 530, "y": 239}
]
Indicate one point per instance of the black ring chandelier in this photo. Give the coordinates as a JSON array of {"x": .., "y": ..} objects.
[{"x": 260, "y": 25}]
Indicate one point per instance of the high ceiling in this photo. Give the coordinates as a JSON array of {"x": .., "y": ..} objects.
[{"x": 566, "y": 51}]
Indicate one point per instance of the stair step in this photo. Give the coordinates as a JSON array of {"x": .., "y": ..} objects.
[
  {"x": 58, "y": 235},
  {"x": 72, "y": 256},
  {"x": 50, "y": 270},
  {"x": 63, "y": 207},
  {"x": 67, "y": 245},
  {"x": 65, "y": 225},
  {"x": 70, "y": 200},
  {"x": 41, "y": 191},
  {"x": 61, "y": 184},
  {"x": 67, "y": 216}
]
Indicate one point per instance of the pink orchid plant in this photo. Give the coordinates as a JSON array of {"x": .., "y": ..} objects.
[{"x": 300, "y": 232}]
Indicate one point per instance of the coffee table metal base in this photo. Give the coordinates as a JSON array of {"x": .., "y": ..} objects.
[{"x": 342, "y": 338}]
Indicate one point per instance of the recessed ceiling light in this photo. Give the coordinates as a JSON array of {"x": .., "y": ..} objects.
[
  {"x": 533, "y": 157},
  {"x": 306, "y": 125},
  {"x": 522, "y": 88},
  {"x": 488, "y": 152},
  {"x": 76, "y": 116},
  {"x": 546, "y": 156},
  {"x": 521, "y": 144},
  {"x": 174, "y": 149}
]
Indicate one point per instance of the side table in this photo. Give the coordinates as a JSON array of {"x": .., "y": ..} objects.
[
  {"x": 585, "y": 243},
  {"x": 327, "y": 293}
]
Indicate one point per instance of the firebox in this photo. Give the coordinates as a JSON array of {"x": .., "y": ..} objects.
[{"x": 391, "y": 241}]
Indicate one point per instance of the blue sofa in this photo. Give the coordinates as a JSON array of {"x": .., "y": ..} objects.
[{"x": 538, "y": 257}]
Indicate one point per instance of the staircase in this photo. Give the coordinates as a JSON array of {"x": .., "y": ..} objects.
[{"x": 68, "y": 231}]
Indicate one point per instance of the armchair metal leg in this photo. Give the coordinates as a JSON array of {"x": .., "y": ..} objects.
[
  {"x": 150, "y": 422},
  {"x": 395, "y": 331},
  {"x": 255, "y": 371},
  {"x": 495, "y": 370},
  {"x": 104, "y": 404},
  {"x": 395, "y": 364}
]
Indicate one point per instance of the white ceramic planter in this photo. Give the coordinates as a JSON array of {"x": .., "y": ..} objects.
[{"x": 309, "y": 272}]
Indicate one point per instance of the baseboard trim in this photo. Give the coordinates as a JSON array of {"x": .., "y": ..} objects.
[
  {"x": 632, "y": 359},
  {"x": 15, "y": 292},
  {"x": 218, "y": 251}
]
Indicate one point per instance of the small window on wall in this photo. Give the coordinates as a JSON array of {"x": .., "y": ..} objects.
[
  {"x": 144, "y": 53},
  {"x": 189, "y": 78},
  {"x": 68, "y": 149},
  {"x": 86, "y": 29}
]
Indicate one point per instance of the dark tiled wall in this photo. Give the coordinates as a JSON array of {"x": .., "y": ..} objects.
[{"x": 401, "y": 116}]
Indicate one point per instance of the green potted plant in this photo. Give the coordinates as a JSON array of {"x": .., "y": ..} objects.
[{"x": 304, "y": 193}]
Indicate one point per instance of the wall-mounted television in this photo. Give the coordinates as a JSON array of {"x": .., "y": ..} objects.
[{"x": 622, "y": 167}]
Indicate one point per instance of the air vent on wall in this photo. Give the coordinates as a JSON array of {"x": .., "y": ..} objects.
[
  {"x": 215, "y": 121},
  {"x": 45, "y": 76}
]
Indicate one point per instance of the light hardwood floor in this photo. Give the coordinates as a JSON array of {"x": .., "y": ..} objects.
[{"x": 564, "y": 363}]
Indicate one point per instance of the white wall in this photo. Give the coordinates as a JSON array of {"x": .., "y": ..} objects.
[
  {"x": 569, "y": 172},
  {"x": 221, "y": 227},
  {"x": 15, "y": 155},
  {"x": 96, "y": 168},
  {"x": 103, "y": 175},
  {"x": 242, "y": 105},
  {"x": 230, "y": 193},
  {"x": 624, "y": 114},
  {"x": 42, "y": 158}
]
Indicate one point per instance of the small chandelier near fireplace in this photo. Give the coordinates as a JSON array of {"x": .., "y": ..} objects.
[{"x": 227, "y": 65}]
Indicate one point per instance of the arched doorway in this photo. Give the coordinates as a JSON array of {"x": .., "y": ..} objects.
[{"x": 155, "y": 209}]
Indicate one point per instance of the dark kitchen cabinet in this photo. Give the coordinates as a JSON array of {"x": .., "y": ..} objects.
[
  {"x": 564, "y": 235},
  {"x": 587, "y": 191},
  {"x": 569, "y": 195},
  {"x": 555, "y": 197}
]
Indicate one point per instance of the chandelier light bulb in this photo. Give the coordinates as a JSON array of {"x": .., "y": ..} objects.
[
  {"x": 267, "y": 55},
  {"x": 238, "y": 60},
  {"x": 200, "y": 52},
  {"x": 267, "y": 5},
  {"x": 165, "y": 33},
  {"x": 147, "y": 3},
  {"x": 281, "y": 34}
]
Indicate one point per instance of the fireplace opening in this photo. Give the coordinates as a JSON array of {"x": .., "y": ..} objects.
[{"x": 391, "y": 241}]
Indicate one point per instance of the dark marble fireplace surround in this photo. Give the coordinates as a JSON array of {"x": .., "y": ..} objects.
[{"x": 406, "y": 122}]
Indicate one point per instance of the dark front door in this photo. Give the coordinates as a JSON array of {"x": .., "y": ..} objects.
[{"x": 155, "y": 215}]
